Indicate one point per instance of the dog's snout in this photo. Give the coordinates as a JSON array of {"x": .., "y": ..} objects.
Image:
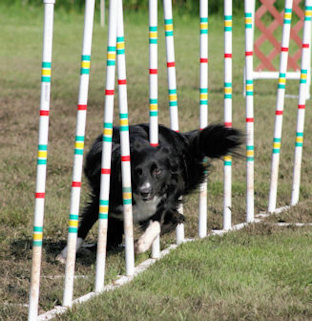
[{"x": 146, "y": 190}]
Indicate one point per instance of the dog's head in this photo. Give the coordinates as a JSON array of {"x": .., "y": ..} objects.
[{"x": 151, "y": 171}]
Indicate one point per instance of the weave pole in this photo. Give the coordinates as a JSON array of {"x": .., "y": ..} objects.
[
  {"x": 305, "y": 65},
  {"x": 124, "y": 143},
  {"x": 153, "y": 72},
  {"x": 106, "y": 147},
  {"x": 172, "y": 87},
  {"x": 203, "y": 107},
  {"x": 78, "y": 153},
  {"x": 249, "y": 8},
  {"x": 227, "y": 169},
  {"x": 280, "y": 107},
  {"x": 42, "y": 158}
]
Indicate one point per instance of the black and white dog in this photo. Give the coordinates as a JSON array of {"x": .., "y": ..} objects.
[{"x": 160, "y": 176}]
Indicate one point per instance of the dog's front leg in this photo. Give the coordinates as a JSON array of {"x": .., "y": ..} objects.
[{"x": 145, "y": 241}]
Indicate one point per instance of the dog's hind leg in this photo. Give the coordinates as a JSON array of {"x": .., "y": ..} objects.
[{"x": 145, "y": 241}]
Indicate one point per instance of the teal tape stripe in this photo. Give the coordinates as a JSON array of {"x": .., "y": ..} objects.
[
  {"x": 86, "y": 57},
  {"x": 203, "y": 31},
  {"x": 110, "y": 62},
  {"x": 248, "y": 14},
  {"x": 228, "y": 96},
  {"x": 249, "y": 93},
  {"x": 38, "y": 229},
  {"x": 37, "y": 243},
  {"x": 304, "y": 71},
  {"x": 153, "y": 29},
  {"x": 227, "y": 84},
  {"x": 120, "y": 39},
  {"x": 107, "y": 139},
  {"x": 126, "y": 190},
  {"x": 104, "y": 202},
  {"x": 299, "y": 144},
  {"x": 227, "y": 163},
  {"x": 72, "y": 230},
  {"x": 46, "y": 79},
  {"x": 203, "y": 20},
  {"x": 173, "y": 103},
  {"x": 41, "y": 162},
  {"x": 282, "y": 86},
  {"x": 74, "y": 217},
  {"x": 168, "y": 33},
  {"x": 153, "y": 41},
  {"x": 153, "y": 113},
  {"x": 203, "y": 90},
  {"x": 79, "y": 138},
  {"x": 78, "y": 151},
  {"x": 227, "y": 28},
  {"x": 203, "y": 102},
  {"x": 172, "y": 91},
  {"x": 46, "y": 64},
  {"x": 303, "y": 81},
  {"x": 127, "y": 201},
  {"x": 111, "y": 49},
  {"x": 168, "y": 21},
  {"x": 43, "y": 147},
  {"x": 123, "y": 116},
  {"x": 84, "y": 71},
  {"x": 250, "y": 147},
  {"x": 120, "y": 51},
  {"x": 153, "y": 101},
  {"x": 124, "y": 128},
  {"x": 249, "y": 82},
  {"x": 108, "y": 125},
  {"x": 282, "y": 75},
  {"x": 277, "y": 140},
  {"x": 228, "y": 17},
  {"x": 103, "y": 216},
  {"x": 299, "y": 134}
]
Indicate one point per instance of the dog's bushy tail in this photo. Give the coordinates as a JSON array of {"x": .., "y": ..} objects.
[{"x": 215, "y": 141}]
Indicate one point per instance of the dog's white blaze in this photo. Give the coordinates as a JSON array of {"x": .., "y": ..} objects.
[{"x": 147, "y": 238}]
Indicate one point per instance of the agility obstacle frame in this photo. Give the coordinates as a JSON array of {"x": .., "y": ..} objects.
[{"x": 116, "y": 52}]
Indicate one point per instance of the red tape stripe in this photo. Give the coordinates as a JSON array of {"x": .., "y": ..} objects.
[
  {"x": 228, "y": 124},
  {"x": 249, "y": 120},
  {"x": 82, "y": 107},
  {"x": 203, "y": 60},
  {"x": 170, "y": 64},
  {"x": 109, "y": 92},
  {"x": 279, "y": 112},
  {"x": 76, "y": 184},
  {"x": 105, "y": 171},
  {"x": 44, "y": 112},
  {"x": 122, "y": 81},
  {"x": 125, "y": 158},
  {"x": 284, "y": 49},
  {"x": 40, "y": 195},
  {"x": 153, "y": 71},
  {"x": 305, "y": 45},
  {"x": 248, "y": 53},
  {"x": 227, "y": 55},
  {"x": 301, "y": 106}
]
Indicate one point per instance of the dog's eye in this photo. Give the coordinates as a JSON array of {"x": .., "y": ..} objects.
[
  {"x": 138, "y": 171},
  {"x": 157, "y": 172}
]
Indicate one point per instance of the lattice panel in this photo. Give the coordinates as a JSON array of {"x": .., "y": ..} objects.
[{"x": 267, "y": 35}]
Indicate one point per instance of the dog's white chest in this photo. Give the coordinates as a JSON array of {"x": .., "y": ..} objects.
[{"x": 144, "y": 210}]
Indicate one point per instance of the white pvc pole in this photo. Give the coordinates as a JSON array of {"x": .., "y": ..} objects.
[
  {"x": 280, "y": 107},
  {"x": 172, "y": 87},
  {"x": 227, "y": 202},
  {"x": 203, "y": 108},
  {"x": 249, "y": 9},
  {"x": 125, "y": 144},
  {"x": 153, "y": 72},
  {"x": 106, "y": 147},
  {"x": 78, "y": 154},
  {"x": 305, "y": 65},
  {"x": 42, "y": 158}
]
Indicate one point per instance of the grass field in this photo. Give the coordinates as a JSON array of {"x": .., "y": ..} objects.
[{"x": 262, "y": 272}]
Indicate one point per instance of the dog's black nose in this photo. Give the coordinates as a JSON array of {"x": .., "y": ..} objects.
[{"x": 146, "y": 191}]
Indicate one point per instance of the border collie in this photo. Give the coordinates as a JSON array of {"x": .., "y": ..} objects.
[{"x": 160, "y": 176}]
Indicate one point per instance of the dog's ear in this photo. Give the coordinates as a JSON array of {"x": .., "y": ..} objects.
[
  {"x": 139, "y": 144},
  {"x": 172, "y": 159}
]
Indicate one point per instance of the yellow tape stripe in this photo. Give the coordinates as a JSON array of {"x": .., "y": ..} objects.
[
  {"x": 79, "y": 145},
  {"x": 203, "y": 96},
  {"x": 108, "y": 132},
  {"x": 42, "y": 154},
  {"x": 299, "y": 139},
  {"x": 103, "y": 209},
  {"x": 85, "y": 64},
  {"x": 73, "y": 223},
  {"x": 111, "y": 56},
  {"x": 37, "y": 236},
  {"x": 173, "y": 97},
  {"x": 124, "y": 122},
  {"x": 46, "y": 72},
  {"x": 168, "y": 27},
  {"x": 153, "y": 107},
  {"x": 121, "y": 45},
  {"x": 227, "y": 23},
  {"x": 227, "y": 158},
  {"x": 153, "y": 34},
  {"x": 227, "y": 90},
  {"x": 277, "y": 145},
  {"x": 127, "y": 195}
]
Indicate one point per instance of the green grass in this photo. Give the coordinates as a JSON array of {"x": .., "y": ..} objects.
[{"x": 21, "y": 35}]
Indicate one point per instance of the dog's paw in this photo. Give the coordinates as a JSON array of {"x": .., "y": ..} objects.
[
  {"x": 60, "y": 258},
  {"x": 140, "y": 246}
]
